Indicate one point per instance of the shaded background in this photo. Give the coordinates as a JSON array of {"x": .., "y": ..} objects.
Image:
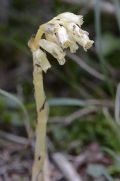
[{"x": 84, "y": 94}]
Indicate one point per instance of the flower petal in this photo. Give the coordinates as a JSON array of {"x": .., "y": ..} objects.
[
  {"x": 63, "y": 37},
  {"x": 51, "y": 27},
  {"x": 55, "y": 50},
  {"x": 73, "y": 47},
  {"x": 80, "y": 36},
  {"x": 70, "y": 17},
  {"x": 52, "y": 37}
]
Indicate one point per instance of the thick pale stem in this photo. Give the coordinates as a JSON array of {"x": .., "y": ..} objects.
[{"x": 42, "y": 113}]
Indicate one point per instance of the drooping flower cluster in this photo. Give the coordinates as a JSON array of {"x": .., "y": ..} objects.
[{"x": 63, "y": 31}]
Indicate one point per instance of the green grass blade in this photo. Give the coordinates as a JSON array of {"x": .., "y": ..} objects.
[
  {"x": 21, "y": 105},
  {"x": 66, "y": 102},
  {"x": 117, "y": 11},
  {"x": 97, "y": 14}
]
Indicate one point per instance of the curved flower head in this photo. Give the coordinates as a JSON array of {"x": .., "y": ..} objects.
[{"x": 63, "y": 31}]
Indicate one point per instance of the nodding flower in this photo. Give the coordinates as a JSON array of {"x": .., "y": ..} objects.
[
  {"x": 79, "y": 36},
  {"x": 63, "y": 37},
  {"x": 63, "y": 31},
  {"x": 55, "y": 50}
]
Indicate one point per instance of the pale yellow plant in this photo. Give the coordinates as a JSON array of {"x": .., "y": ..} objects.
[{"x": 63, "y": 31}]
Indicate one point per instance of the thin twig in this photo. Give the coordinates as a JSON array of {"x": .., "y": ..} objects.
[
  {"x": 75, "y": 115},
  {"x": 66, "y": 167},
  {"x": 101, "y": 103},
  {"x": 86, "y": 67},
  {"x": 14, "y": 138},
  {"x": 79, "y": 113},
  {"x": 94, "y": 105}
]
